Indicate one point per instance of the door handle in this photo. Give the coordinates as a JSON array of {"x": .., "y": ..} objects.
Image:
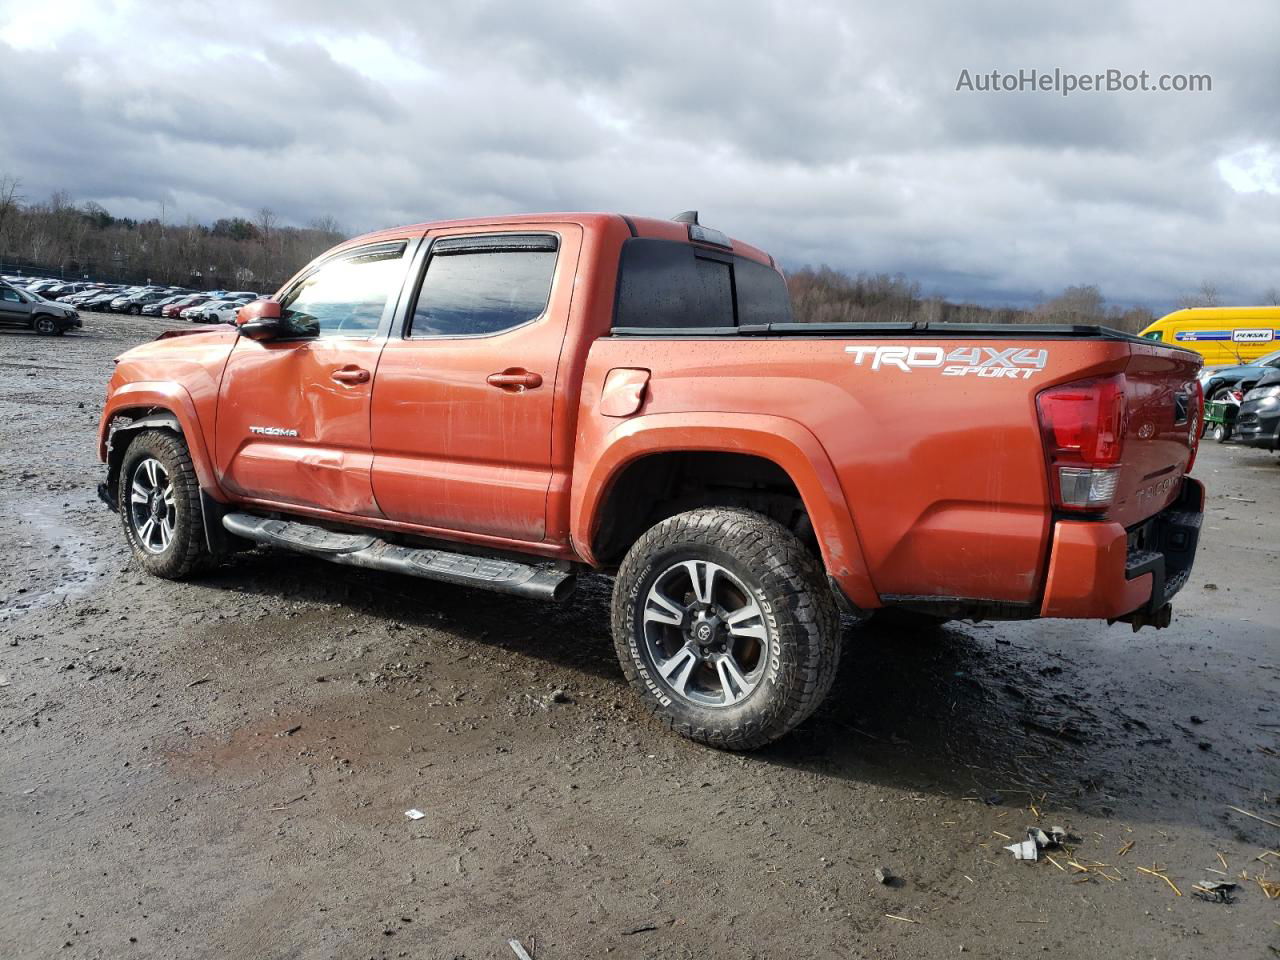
[
  {"x": 350, "y": 375},
  {"x": 514, "y": 378}
]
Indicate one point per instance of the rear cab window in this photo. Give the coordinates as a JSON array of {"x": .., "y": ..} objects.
[
  {"x": 671, "y": 286},
  {"x": 483, "y": 285}
]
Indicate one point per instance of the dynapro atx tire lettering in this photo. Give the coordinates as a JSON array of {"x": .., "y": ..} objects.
[{"x": 725, "y": 625}]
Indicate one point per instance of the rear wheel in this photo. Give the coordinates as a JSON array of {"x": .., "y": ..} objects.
[
  {"x": 725, "y": 625},
  {"x": 159, "y": 499}
]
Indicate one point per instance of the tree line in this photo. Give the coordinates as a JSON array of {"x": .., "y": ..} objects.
[
  {"x": 63, "y": 238},
  {"x": 259, "y": 253},
  {"x": 823, "y": 295}
]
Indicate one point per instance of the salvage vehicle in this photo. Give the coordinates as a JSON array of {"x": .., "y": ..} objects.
[
  {"x": 1258, "y": 421},
  {"x": 18, "y": 308},
  {"x": 503, "y": 403},
  {"x": 1218, "y": 381}
]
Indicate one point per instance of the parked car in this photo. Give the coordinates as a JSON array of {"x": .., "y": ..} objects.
[
  {"x": 1217, "y": 382},
  {"x": 226, "y": 313},
  {"x": 1258, "y": 421},
  {"x": 154, "y": 309},
  {"x": 20, "y": 308},
  {"x": 576, "y": 392},
  {"x": 133, "y": 303},
  {"x": 87, "y": 294},
  {"x": 196, "y": 313},
  {"x": 208, "y": 312},
  {"x": 181, "y": 303},
  {"x": 100, "y": 301},
  {"x": 60, "y": 290}
]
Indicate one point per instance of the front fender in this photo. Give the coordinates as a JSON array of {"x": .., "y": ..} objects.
[
  {"x": 784, "y": 442},
  {"x": 144, "y": 397}
]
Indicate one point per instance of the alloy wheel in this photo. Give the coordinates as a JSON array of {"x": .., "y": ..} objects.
[
  {"x": 705, "y": 633},
  {"x": 153, "y": 510}
]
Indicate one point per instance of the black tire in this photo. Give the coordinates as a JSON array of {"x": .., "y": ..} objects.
[
  {"x": 45, "y": 325},
  {"x": 1219, "y": 433},
  {"x": 767, "y": 565},
  {"x": 1219, "y": 393},
  {"x": 185, "y": 551},
  {"x": 136, "y": 311}
]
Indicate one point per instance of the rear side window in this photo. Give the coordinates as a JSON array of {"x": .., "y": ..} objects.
[
  {"x": 475, "y": 286},
  {"x": 665, "y": 284}
]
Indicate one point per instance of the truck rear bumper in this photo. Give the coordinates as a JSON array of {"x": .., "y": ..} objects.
[{"x": 1104, "y": 571}]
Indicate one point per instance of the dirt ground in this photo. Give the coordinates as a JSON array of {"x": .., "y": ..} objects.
[{"x": 222, "y": 768}]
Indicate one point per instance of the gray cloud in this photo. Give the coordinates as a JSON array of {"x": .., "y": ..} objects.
[{"x": 826, "y": 133}]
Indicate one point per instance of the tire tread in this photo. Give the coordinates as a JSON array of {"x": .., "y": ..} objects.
[{"x": 789, "y": 572}]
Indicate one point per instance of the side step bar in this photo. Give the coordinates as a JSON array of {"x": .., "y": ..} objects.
[{"x": 365, "y": 550}]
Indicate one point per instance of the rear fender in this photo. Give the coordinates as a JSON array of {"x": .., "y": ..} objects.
[{"x": 784, "y": 442}]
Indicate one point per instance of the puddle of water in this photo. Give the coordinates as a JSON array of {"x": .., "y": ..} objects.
[{"x": 75, "y": 564}]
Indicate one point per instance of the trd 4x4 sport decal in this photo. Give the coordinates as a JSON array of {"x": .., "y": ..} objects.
[{"x": 990, "y": 362}]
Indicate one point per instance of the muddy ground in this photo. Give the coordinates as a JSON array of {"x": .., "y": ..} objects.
[{"x": 222, "y": 768}]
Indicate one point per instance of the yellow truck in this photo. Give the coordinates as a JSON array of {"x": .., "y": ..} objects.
[{"x": 1224, "y": 336}]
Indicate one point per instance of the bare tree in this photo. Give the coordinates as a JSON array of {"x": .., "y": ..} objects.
[
  {"x": 1270, "y": 296},
  {"x": 266, "y": 222},
  {"x": 1079, "y": 304},
  {"x": 327, "y": 224},
  {"x": 1205, "y": 296},
  {"x": 10, "y": 201}
]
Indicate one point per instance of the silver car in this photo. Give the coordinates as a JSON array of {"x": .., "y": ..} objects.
[{"x": 18, "y": 308}]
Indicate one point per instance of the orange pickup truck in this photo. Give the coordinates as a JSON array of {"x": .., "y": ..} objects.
[{"x": 502, "y": 403}]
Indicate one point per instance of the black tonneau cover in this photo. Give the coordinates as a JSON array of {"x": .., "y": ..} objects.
[{"x": 1006, "y": 331}]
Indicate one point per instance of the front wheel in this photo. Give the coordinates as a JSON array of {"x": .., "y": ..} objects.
[
  {"x": 46, "y": 326},
  {"x": 1219, "y": 433},
  {"x": 159, "y": 500},
  {"x": 725, "y": 625}
]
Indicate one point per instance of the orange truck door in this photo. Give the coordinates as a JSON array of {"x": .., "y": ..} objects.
[
  {"x": 463, "y": 398},
  {"x": 293, "y": 412}
]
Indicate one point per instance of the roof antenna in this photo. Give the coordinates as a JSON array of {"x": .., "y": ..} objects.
[{"x": 688, "y": 216}]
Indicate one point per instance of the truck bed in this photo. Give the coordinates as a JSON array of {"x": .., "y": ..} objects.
[{"x": 943, "y": 472}]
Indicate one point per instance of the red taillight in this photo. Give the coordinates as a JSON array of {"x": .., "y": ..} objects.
[
  {"x": 1083, "y": 426},
  {"x": 1083, "y": 422}
]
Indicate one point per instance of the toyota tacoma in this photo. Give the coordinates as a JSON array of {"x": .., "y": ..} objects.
[{"x": 503, "y": 403}]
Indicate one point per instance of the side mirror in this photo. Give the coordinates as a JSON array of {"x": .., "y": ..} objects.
[{"x": 260, "y": 320}]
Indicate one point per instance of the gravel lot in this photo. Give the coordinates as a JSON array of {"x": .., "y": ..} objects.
[{"x": 222, "y": 768}]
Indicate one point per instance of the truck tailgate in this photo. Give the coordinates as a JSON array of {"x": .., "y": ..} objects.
[{"x": 1162, "y": 428}]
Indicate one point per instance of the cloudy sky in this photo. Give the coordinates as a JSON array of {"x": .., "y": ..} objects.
[{"x": 828, "y": 133}]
